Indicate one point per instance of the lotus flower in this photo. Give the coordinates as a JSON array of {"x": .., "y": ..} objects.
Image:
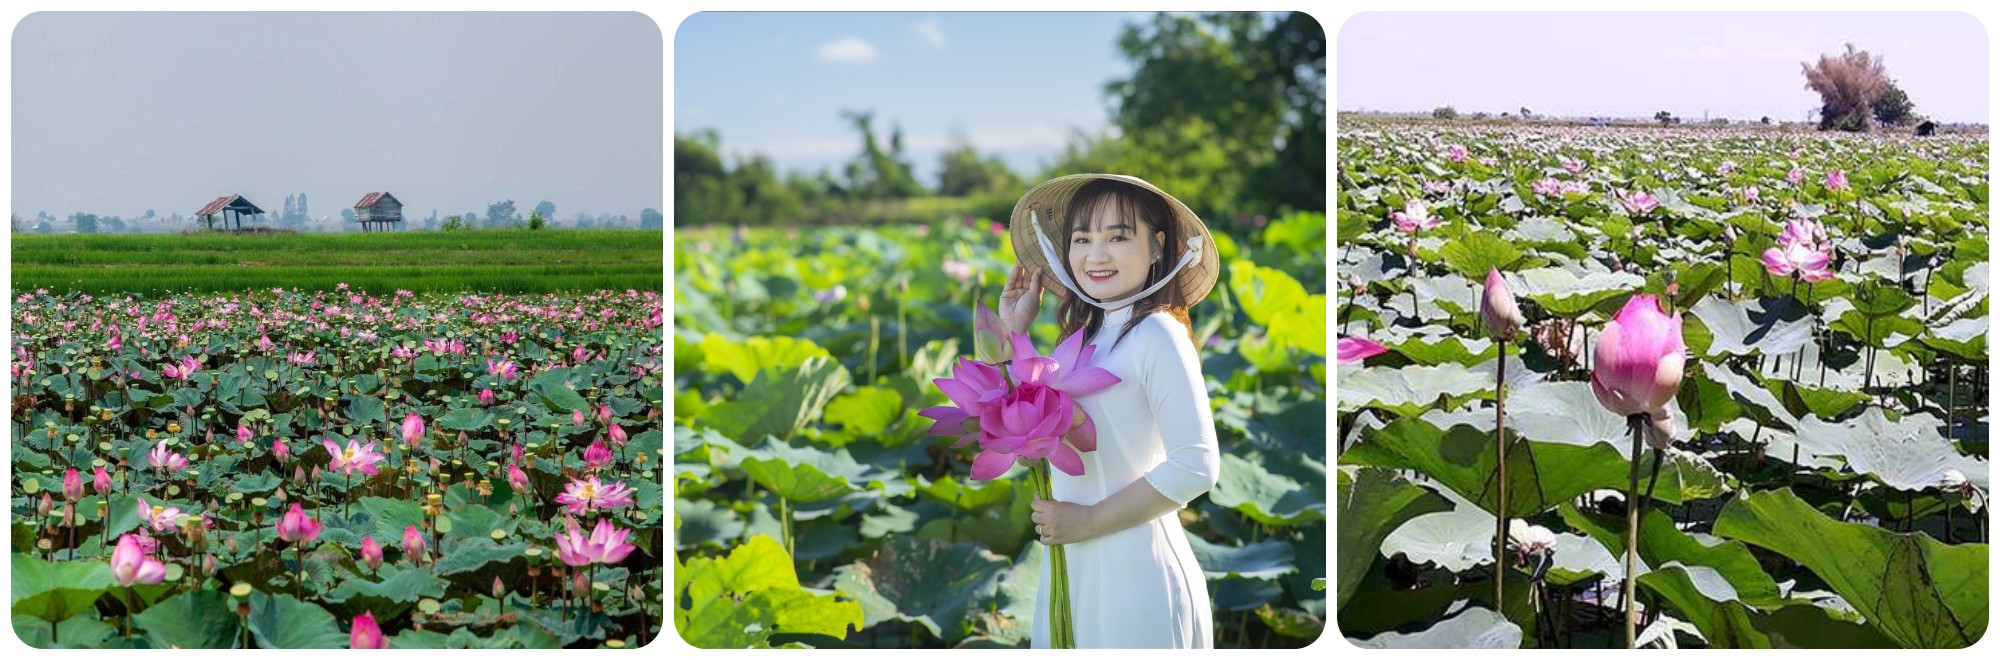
[
  {"x": 1809, "y": 262},
  {"x": 1639, "y": 203},
  {"x": 1498, "y": 311},
  {"x": 1549, "y": 187},
  {"x": 588, "y": 493},
  {"x": 168, "y": 460},
  {"x": 282, "y": 451},
  {"x": 1836, "y": 180},
  {"x": 72, "y": 485},
  {"x": 1530, "y": 540},
  {"x": 297, "y": 527},
  {"x": 1026, "y": 425},
  {"x": 243, "y": 434},
  {"x": 957, "y": 270},
  {"x": 973, "y": 386},
  {"x": 989, "y": 337},
  {"x": 617, "y": 435},
  {"x": 355, "y": 457},
  {"x": 1067, "y": 370},
  {"x": 1795, "y": 176},
  {"x": 366, "y": 634},
  {"x": 1414, "y": 217},
  {"x": 832, "y": 295},
  {"x": 413, "y": 542},
  {"x": 101, "y": 481},
  {"x": 130, "y": 564},
  {"x": 1638, "y": 364},
  {"x": 160, "y": 518},
  {"x": 1456, "y": 153},
  {"x": 606, "y": 545},
  {"x": 486, "y": 397},
  {"x": 1355, "y": 349},
  {"x": 576, "y": 417},
  {"x": 596, "y": 456},
  {"x": 371, "y": 552},
  {"x": 504, "y": 369},
  {"x": 413, "y": 430}
]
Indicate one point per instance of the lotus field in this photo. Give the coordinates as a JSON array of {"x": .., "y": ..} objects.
[
  {"x": 1661, "y": 388},
  {"x": 813, "y": 508},
  {"x": 286, "y": 468}
]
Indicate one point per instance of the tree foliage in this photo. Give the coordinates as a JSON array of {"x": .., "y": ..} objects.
[
  {"x": 1848, "y": 85},
  {"x": 1893, "y": 107}
]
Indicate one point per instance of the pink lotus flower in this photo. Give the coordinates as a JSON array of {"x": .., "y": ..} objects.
[
  {"x": 413, "y": 542},
  {"x": 973, "y": 386},
  {"x": 413, "y": 430},
  {"x": 101, "y": 481},
  {"x": 576, "y": 417},
  {"x": 516, "y": 452},
  {"x": 264, "y": 343},
  {"x": 1414, "y": 217},
  {"x": 1803, "y": 258},
  {"x": 504, "y": 369},
  {"x": 1572, "y": 165},
  {"x": 1024, "y": 426},
  {"x": 1437, "y": 187},
  {"x": 168, "y": 460},
  {"x": 957, "y": 270},
  {"x": 160, "y": 518},
  {"x": 366, "y": 634},
  {"x": 606, "y": 545},
  {"x": 1548, "y": 187},
  {"x": 130, "y": 564},
  {"x": 596, "y": 456},
  {"x": 603, "y": 413},
  {"x": 72, "y": 485},
  {"x": 1836, "y": 180},
  {"x": 989, "y": 337},
  {"x": 302, "y": 358},
  {"x": 1638, "y": 360},
  {"x": 1355, "y": 349},
  {"x": 588, "y": 493},
  {"x": 402, "y": 353},
  {"x": 486, "y": 397},
  {"x": 282, "y": 451},
  {"x": 355, "y": 457},
  {"x": 1639, "y": 203},
  {"x": 371, "y": 552},
  {"x": 516, "y": 479},
  {"x": 617, "y": 435},
  {"x": 509, "y": 337},
  {"x": 186, "y": 367},
  {"x": 297, "y": 527},
  {"x": 243, "y": 434},
  {"x": 1455, "y": 153},
  {"x": 1795, "y": 176}
]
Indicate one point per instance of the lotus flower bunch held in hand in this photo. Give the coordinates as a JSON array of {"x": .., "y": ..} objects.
[{"x": 1024, "y": 413}]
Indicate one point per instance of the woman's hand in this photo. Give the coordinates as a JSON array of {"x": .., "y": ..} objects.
[
  {"x": 1059, "y": 522},
  {"x": 1021, "y": 301}
]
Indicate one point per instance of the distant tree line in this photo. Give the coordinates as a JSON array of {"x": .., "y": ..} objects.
[{"x": 1226, "y": 111}]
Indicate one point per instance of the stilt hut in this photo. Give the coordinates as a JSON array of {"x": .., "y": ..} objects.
[
  {"x": 378, "y": 210},
  {"x": 225, "y": 207}
]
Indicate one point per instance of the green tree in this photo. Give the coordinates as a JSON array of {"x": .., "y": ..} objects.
[
  {"x": 536, "y": 220},
  {"x": 1258, "y": 84},
  {"x": 347, "y": 215},
  {"x": 45, "y": 228},
  {"x": 501, "y": 213},
  {"x": 702, "y": 190},
  {"x": 86, "y": 223},
  {"x": 964, "y": 173},
  {"x": 651, "y": 219},
  {"x": 1665, "y": 118},
  {"x": 1893, "y": 107},
  {"x": 877, "y": 173},
  {"x": 455, "y": 223},
  {"x": 546, "y": 208}
]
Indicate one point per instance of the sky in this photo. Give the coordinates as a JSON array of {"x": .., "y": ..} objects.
[
  {"x": 1013, "y": 84},
  {"x": 116, "y": 113},
  {"x": 1739, "y": 65}
]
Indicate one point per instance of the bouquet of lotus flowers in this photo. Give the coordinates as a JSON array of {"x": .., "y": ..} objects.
[{"x": 1024, "y": 414}]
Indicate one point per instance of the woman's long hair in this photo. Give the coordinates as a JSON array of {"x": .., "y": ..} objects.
[{"x": 1155, "y": 215}]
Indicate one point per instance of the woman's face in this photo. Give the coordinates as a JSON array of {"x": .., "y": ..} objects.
[{"x": 1110, "y": 257}]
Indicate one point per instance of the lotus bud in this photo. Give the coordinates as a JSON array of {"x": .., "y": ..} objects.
[
  {"x": 498, "y": 588},
  {"x": 101, "y": 481},
  {"x": 1498, "y": 311},
  {"x": 989, "y": 337},
  {"x": 371, "y": 552},
  {"x": 72, "y": 485},
  {"x": 47, "y": 505},
  {"x": 1638, "y": 362}
]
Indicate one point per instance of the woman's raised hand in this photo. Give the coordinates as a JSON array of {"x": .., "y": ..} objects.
[{"x": 1022, "y": 299}]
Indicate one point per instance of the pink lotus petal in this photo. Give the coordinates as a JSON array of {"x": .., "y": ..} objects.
[{"x": 1066, "y": 459}]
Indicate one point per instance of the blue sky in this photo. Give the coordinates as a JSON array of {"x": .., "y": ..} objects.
[
  {"x": 1741, "y": 65},
  {"x": 1014, "y": 84}
]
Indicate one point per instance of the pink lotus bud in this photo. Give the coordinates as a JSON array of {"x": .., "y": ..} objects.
[
  {"x": 603, "y": 413},
  {"x": 1638, "y": 359},
  {"x": 517, "y": 452},
  {"x": 281, "y": 450},
  {"x": 297, "y": 527},
  {"x": 989, "y": 337},
  {"x": 413, "y": 429},
  {"x": 1356, "y": 349},
  {"x": 48, "y": 504},
  {"x": 576, "y": 417},
  {"x": 486, "y": 397},
  {"x": 516, "y": 478},
  {"x": 242, "y": 433},
  {"x": 130, "y": 564},
  {"x": 597, "y": 456},
  {"x": 617, "y": 434},
  {"x": 366, "y": 634},
  {"x": 1497, "y": 309},
  {"x": 371, "y": 553},
  {"x": 101, "y": 481},
  {"x": 413, "y": 542},
  {"x": 72, "y": 487}
]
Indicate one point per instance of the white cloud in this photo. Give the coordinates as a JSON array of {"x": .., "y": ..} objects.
[
  {"x": 847, "y": 49},
  {"x": 932, "y": 30}
]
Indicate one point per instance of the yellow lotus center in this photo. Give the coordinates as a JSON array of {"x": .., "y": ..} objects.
[
  {"x": 589, "y": 491},
  {"x": 348, "y": 455},
  {"x": 157, "y": 510}
]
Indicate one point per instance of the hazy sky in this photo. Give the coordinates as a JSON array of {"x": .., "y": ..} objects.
[
  {"x": 116, "y": 113},
  {"x": 1738, "y": 65},
  {"x": 1013, "y": 83}
]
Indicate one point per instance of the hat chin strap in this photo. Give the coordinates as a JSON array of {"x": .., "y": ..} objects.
[{"x": 1188, "y": 256}]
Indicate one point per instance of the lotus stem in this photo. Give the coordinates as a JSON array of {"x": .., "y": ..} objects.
[
  {"x": 1500, "y": 452},
  {"x": 1632, "y": 534}
]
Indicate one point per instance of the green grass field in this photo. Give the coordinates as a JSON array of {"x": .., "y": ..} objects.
[{"x": 514, "y": 261}]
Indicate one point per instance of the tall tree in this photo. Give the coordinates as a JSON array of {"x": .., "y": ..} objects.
[
  {"x": 1847, "y": 85},
  {"x": 1893, "y": 107},
  {"x": 651, "y": 219},
  {"x": 501, "y": 214},
  {"x": 546, "y": 208}
]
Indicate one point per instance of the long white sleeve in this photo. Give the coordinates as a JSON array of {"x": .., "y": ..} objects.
[{"x": 1171, "y": 372}]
